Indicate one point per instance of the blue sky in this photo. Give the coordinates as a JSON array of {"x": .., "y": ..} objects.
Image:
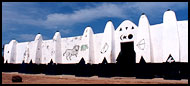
[{"x": 23, "y": 20}]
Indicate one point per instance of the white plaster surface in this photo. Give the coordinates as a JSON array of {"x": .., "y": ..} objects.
[
  {"x": 97, "y": 40},
  {"x": 170, "y": 37},
  {"x": 12, "y": 51},
  {"x": 156, "y": 42},
  {"x": 57, "y": 48},
  {"x": 47, "y": 51},
  {"x": 183, "y": 37},
  {"x": 143, "y": 40},
  {"x": 161, "y": 39},
  {"x": 107, "y": 43},
  {"x": 86, "y": 50},
  {"x": 6, "y": 53},
  {"x": 38, "y": 48},
  {"x": 20, "y": 52},
  {"x": 121, "y": 35}
]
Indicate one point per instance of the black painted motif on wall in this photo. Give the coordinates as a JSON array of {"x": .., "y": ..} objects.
[
  {"x": 129, "y": 36},
  {"x": 104, "y": 49},
  {"x": 170, "y": 59},
  {"x": 141, "y": 44},
  {"x": 122, "y": 37},
  {"x": 26, "y": 54}
]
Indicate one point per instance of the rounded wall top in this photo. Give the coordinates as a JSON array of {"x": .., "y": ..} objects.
[
  {"x": 13, "y": 41},
  {"x": 38, "y": 36},
  {"x": 57, "y": 34}
]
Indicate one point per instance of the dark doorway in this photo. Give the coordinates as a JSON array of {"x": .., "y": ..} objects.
[
  {"x": 126, "y": 59},
  {"x": 127, "y": 54}
]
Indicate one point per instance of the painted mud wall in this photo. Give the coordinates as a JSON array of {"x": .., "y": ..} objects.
[{"x": 93, "y": 48}]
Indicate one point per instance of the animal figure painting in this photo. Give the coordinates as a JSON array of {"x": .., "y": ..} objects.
[{"x": 71, "y": 52}]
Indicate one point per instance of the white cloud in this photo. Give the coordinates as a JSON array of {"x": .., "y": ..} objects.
[
  {"x": 52, "y": 21},
  {"x": 156, "y": 6},
  {"x": 18, "y": 37},
  {"x": 122, "y": 10},
  {"x": 19, "y": 14},
  {"x": 89, "y": 13},
  {"x": 26, "y": 37},
  {"x": 22, "y": 37},
  {"x": 155, "y": 9},
  {"x": 65, "y": 31},
  {"x": 85, "y": 15}
]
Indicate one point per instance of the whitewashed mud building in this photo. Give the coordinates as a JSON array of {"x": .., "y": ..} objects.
[{"x": 165, "y": 43}]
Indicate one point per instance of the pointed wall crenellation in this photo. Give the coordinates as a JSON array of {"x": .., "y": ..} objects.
[
  {"x": 125, "y": 32},
  {"x": 152, "y": 43},
  {"x": 171, "y": 43},
  {"x": 143, "y": 41},
  {"x": 87, "y": 46},
  {"x": 38, "y": 49},
  {"x": 12, "y": 51},
  {"x": 107, "y": 44},
  {"x": 57, "y": 57}
]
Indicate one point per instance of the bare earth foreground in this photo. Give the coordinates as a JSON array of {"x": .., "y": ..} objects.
[{"x": 71, "y": 79}]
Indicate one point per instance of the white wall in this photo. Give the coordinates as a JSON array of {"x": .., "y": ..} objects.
[
  {"x": 97, "y": 41},
  {"x": 94, "y": 47},
  {"x": 57, "y": 47},
  {"x": 86, "y": 49},
  {"x": 122, "y": 33},
  {"x": 38, "y": 49},
  {"x": 170, "y": 37},
  {"x": 47, "y": 51},
  {"x": 20, "y": 52},
  {"x": 11, "y": 51},
  {"x": 107, "y": 43},
  {"x": 70, "y": 49},
  {"x": 183, "y": 37},
  {"x": 156, "y": 42},
  {"x": 6, "y": 53},
  {"x": 143, "y": 40}
]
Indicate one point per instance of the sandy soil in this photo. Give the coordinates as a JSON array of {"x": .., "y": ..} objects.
[{"x": 71, "y": 79}]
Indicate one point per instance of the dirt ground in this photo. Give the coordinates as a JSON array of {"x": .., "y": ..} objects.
[{"x": 71, "y": 79}]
